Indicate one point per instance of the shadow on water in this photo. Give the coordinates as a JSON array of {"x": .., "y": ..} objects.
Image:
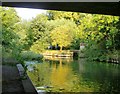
[
  {"x": 105, "y": 74},
  {"x": 68, "y": 75}
]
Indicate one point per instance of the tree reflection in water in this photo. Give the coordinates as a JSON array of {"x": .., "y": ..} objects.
[{"x": 63, "y": 75}]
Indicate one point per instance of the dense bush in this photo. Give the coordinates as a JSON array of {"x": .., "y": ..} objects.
[
  {"x": 93, "y": 51},
  {"x": 29, "y": 55}
]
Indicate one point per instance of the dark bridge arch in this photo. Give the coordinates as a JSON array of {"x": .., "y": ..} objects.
[{"x": 107, "y": 8}]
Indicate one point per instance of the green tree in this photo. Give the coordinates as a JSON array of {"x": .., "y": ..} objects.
[
  {"x": 22, "y": 30},
  {"x": 10, "y": 40},
  {"x": 64, "y": 33},
  {"x": 9, "y": 18},
  {"x": 38, "y": 26},
  {"x": 37, "y": 29},
  {"x": 99, "y": 32},
  {"x": 73, "y": 16}
]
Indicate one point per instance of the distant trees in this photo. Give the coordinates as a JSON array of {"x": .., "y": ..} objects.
[
  {"x": 64, "y": 29},
  {"x": 63, "y": 33},
  {"x": 100, "y": 34},
  {"x": 61, "y": 36}
]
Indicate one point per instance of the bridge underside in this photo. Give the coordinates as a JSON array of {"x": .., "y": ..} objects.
[{"x": 106, "y": 8}]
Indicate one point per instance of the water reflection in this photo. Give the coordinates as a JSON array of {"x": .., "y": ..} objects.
[{"x": 68, "y": 75}]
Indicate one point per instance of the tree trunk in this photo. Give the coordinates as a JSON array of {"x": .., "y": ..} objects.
[{"x": 60, "y": 48}]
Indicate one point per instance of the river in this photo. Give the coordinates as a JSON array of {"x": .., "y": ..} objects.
[{"x": 69, "y": 75}]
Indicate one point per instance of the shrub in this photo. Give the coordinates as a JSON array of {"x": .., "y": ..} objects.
[
  {"x": 29, "y": 55},
  {"x": 94, "y": 52}
]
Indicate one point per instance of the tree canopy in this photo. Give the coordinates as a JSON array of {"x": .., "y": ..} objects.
[{"x": 65, "y": 29}]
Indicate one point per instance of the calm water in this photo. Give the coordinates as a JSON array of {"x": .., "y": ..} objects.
[{"x": 68, "y": 75}]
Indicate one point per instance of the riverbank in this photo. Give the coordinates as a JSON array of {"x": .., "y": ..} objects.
[
  {"x": 109, "y": 57},
  {"x": 11, "y": 81}
]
